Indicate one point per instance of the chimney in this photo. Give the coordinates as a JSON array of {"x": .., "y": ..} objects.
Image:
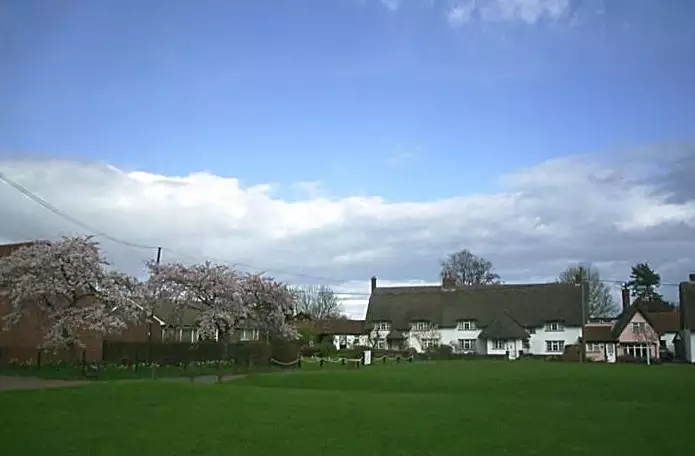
[
  {"x": 373, "y": 283},
  {"x": 625, "y": 293},
  {"x": 691, "y": 277},
  {"x": 448, "y": 283}
]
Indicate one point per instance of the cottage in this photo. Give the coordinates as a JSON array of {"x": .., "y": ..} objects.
[
  {"x": 511, "y": 320},
  {"x": 636, "y": 332}
]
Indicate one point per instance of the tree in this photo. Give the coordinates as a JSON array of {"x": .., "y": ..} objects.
[
  {"x": 67, "y": 285},
  {"x": 270, "y": 305},
  {"x": 644, "y": 283},
  {"x": 469, "y": 269},
  {"x": 600, "y": 302},
  {"x": 319, "y": 302},
  {"x": 214, "y": 292}
]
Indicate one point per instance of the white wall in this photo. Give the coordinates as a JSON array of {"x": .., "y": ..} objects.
[
  {"x": 537, "y": 341},
  {"x": 689, "y": 342},
  {"x": 668, "y": 339},
  {"x": 452, "y": 335}
]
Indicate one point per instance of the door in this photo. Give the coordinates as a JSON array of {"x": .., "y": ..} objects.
[
  {"x": 511, "y": 349},
  {"x": 610, "y": 353}
]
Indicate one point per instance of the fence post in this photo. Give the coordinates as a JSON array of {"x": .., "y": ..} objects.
[
  {"x": 38, "y": 358},
  {"x": 84, "y": 362}
]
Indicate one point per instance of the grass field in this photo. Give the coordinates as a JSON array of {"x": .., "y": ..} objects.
[{"x": 446, "y": 408}]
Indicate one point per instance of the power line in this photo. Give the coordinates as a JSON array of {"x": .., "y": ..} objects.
[
  {"x": 45, "y": 204},
  {"x": 42, "y": 202}
]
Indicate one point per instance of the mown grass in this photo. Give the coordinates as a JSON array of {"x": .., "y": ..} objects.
[{"x": 443, "y": 408}]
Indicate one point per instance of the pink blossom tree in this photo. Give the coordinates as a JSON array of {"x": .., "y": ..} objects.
[
  {"x": 214, "y": 292},
  {"x": 271, "y": 306},
  {"x": 67, "y": 285}
]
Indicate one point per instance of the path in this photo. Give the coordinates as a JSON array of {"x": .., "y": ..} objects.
[{"x": 8, "y": 382}]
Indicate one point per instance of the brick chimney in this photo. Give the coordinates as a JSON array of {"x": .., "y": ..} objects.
[
  {"x": 625, "y": 294},
  {"x": 448, "y": 283},
  {"x": 691, "y": 277},
  {"x": 373, "y": 283}
]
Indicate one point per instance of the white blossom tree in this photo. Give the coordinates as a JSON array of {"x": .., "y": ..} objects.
[
  {"x": 67, "y": 286},
  {"x": 271, "y": 306},
  {"x": 215, "y": 292}
]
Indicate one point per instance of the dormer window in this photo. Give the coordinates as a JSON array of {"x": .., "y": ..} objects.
[
  {"x": 382, "y": 326},
  {"x": 554, "y": 326},
  {"x": 421, "y": 325},
  {"x": 466, "y": 325}
]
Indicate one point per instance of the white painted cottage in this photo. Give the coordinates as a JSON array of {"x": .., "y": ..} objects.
[{"x": 511, "y": 320}]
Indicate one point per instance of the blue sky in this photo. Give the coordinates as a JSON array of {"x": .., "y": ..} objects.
[{"x": 363, "y": 95}]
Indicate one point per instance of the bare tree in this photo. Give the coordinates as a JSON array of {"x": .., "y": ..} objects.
[
  {"x": 319, "y": 302},
  {"x": 648, "y": 336},
  {"x": 469, "y": 269},
  {"x": 599, "y": 299}
]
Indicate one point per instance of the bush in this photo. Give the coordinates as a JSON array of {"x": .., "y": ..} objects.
[{"x": 326, "y": 349}]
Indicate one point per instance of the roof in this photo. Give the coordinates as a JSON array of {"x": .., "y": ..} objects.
[
  {"x": 503, "y": 327},
  {"x": 598, "y": 333},
  {"x": 335, "y": 326},
  {"x": 395, "y": 335},
  {"x": 626, "y": 317},
  {"x": 529, "y": 305},
  {"x": 666, "y": 322},
  {"x": 9, "y": 249},
  {"x": 686, "y": 293}
]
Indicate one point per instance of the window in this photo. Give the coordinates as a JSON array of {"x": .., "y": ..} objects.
[
  {"x": 638, "y": 327},
  {"x": 380, "y": 344},
  {"x": 594, "y": 348},
  {"x": 249, "y": 334},
  {"x": 468, "y": 345},
  {"x": 526, "y": 344},
  {"x": 382, "y": 326},
  {"x": 466, "y": 325},
  {"x": 554, "y": 346},
  {"x": 554, "y": 326},
  {"x": 531, "y": 330},
  {"x": 636, "y": 350},
  {"x": 430, "y": 343},
  {"x": 420, "y": 325},
  {"x": 499, "y": 344}
]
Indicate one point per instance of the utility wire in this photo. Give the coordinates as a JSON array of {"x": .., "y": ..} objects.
[
  {"x": 45, "y": 204},
  {"x": 68, "y": 217}
]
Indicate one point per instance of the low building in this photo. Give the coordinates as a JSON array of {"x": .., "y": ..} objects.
[{"x": 511, "y": 320}]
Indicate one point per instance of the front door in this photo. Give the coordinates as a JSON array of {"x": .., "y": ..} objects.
[
  {"x": 511, "y": 349},
  {"x": 610, "y": 353}
]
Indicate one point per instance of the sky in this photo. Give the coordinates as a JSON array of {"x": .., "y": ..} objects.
[{"x": 326, "y": 141}]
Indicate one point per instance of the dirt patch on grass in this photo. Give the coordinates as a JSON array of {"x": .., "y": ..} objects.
[{"x": 13, "y": 383}]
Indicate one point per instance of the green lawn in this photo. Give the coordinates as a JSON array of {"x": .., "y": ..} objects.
[{"x": 446, "y": 408}]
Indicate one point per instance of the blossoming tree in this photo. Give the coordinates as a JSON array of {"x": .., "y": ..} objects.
[
  {"x": 271, "y": 306},
  {"x": 214, "y": 292},
  {"x": 67, "y": 285}
]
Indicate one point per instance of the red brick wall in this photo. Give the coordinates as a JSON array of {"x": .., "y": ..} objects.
[{"x": 21, "y": 342}]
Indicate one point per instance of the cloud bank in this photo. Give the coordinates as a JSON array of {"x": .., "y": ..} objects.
[{"x": 544, "y": 218}]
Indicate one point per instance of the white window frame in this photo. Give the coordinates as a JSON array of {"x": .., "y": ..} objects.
[
  {"x": 429, "y": 343},
  {"x": 382, "y": 326},
  {"x": 639, "y": 327},
  {"x": 554, "y": 326},
  {"x": 555, "y": 346},
  {"x": 468, "y": 345},
  {"x": 499, "y": 344},
  {"x": 636, "y": 350},
  {"x": 421, "y": 325},
  {"x": 531, "y": 330},
  {"x": 380, "y": 344},
  {"x": 248, "y": 334},
  {"x": 467, "y": 325},
  {"x": 592, "y": 347}
]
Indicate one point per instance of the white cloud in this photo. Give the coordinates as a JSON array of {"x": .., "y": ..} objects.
[
  {"x": 524, "y": 11},
  {"x": 392, "y": 5},
  {"x": 544, "y": 218}
]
